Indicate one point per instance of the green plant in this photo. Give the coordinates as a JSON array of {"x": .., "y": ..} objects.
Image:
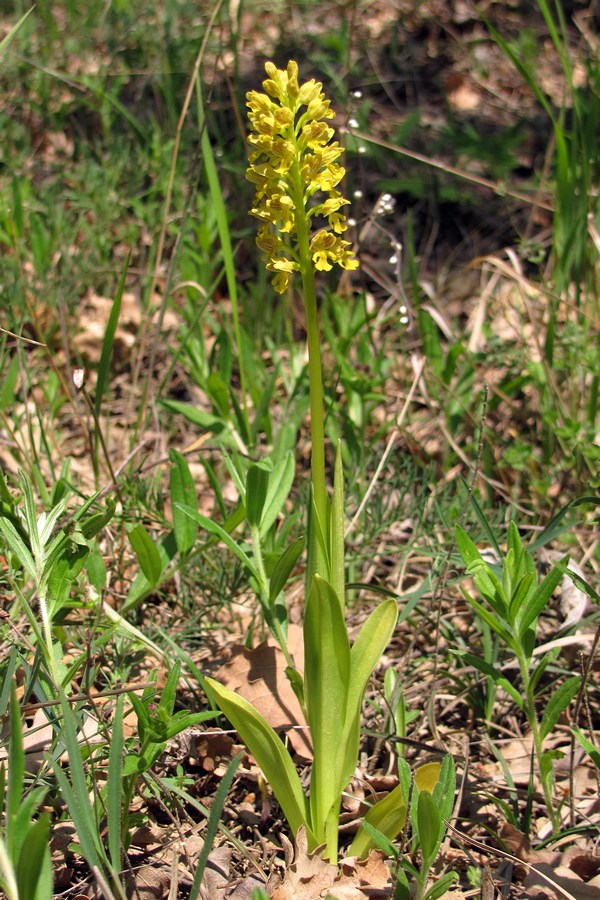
[
  {"x": 514, "y": 603},
  {"x": 157, "y": 723},
  {"x": 51, "y": 558},
  {"x": 25, "y": 866},
  {"x": 575, "y": 127},
  {"x": 426, "y": 801},
  {"x": 294, "y": 161}
]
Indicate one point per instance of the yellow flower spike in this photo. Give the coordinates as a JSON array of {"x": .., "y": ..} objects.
[{"x": 295, "y": 159}]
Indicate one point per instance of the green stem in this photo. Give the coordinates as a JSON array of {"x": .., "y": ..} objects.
[
  {"x": 317, "y": 406},
  {"x": 272, "y": 621},
  {"x": 537, "y": 741}
]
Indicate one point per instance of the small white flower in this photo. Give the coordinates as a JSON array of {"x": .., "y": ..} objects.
[
  {"x": 357, "y": 94},
  {"x": 352, "y": 123},
  {"x": 362, "y": 149},
  {"x": 358, "y": 194},
  {"x": 393, "y": 259}
]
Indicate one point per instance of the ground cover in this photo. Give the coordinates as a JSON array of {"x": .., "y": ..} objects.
[{"x": 157, "y": 455}]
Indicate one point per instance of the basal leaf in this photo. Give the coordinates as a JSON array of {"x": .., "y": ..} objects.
[{"x": 270, "y": 754}]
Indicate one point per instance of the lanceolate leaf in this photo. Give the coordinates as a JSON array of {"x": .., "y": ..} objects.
[
  {"x": 366, "y": 651},
  {"x": 183, "y": 491},
  {"x": 428, "y": 818},
  {"x": 278, "y": 489},
  {"x": 257, "y": 483},
  {"x": 326, "y": 683},
  {"x": 336, "y": 534},
  {"x": 538, "y": 599},
  {"x": 283, "y": 568},
  {"x": 557, "y": 704},
  {"x": 388, "y": 816},
  {"x": 147, "y": 553},
  {"x": 270, "y": 754}
]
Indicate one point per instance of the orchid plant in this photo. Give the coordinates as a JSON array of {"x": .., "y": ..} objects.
[{"x": 294, "y": 166}]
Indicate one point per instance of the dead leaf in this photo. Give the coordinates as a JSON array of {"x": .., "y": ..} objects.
[
  {"x": 152, "y": 882},
  {"x": 310, "y": 877}
]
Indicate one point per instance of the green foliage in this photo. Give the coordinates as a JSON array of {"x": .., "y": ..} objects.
[
  {"x": 429, "y": 797},
  {"x": 514, "y": 602},
  {"x": 25, "y": 865}
]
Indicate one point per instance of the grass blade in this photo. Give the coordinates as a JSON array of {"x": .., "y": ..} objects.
[
  {"x": 213, "y": 822},
  {"x": 114, "y": 792}
]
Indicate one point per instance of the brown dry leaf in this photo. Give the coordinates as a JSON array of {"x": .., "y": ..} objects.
[
  {"x": 370, "y": 874},
  {"x": 216, "y": 875},
  {"x": 552, "y": 874},
  {"x": 210, "y": 747},
  {"x": 259, "y": 677},
  {"x": 567, "y": 884},
  {"x": 152, "y": 882},
  {"x": 310, "y": 877}
]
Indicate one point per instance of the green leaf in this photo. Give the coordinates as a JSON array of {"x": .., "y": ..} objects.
[
  {"x": 444, "y": 790},
  {"x": 364, "y": 656},
  {"x": 495, "y": 674},
  {"x": 257, "y": 483},
  {"x": 336, "y": 532},
  {"x": 96, "y": 570},
  {"x": 557, "y": 704},
  {"x": 91, "y": 526},
  {"x": 212, "y": 826},
  {"x": 279, "y": 487},
  {"x": 183, "y": 493},
  {"x": 587, "y": 745},
  {"x": 519, "y": 597},
  {"x": 220, "y": 532},
  {"x": 441, "y": 886},
  {"x": 429, "y": 822},
  {"x": 270, "y": 754},
  {"x": 30, "y": 513},
  {"x": 218, "y": 393},
  {"x": 13, "y": 31},
  {"x": 388, "y": 816},
  {"x": 33, "y": 859},
  {"x": 194, "y": 415},
  {"x": 283, "y": 568},
  {"x": 114, "y": 788},
  {"x": 147, "y": 553},
  {"x": 141, "y": 587},
  {"x": 487, "y": 582},
  {"x": 326, "y": 684},
  {"x": 18, "y": 547},
  {"x": 466, "y": 547},
  {"x": 497, "y": 624},
  {"x": 74, "y": 791},
  {"x": 167, "y": 699},
  {"x": 16, "y": 771},
  {"x": 538, "y": 599},
  {"x": 62, "y": 575}
]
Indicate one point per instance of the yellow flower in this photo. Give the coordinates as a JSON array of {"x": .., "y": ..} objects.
[{"x": 293, "y": 160}]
